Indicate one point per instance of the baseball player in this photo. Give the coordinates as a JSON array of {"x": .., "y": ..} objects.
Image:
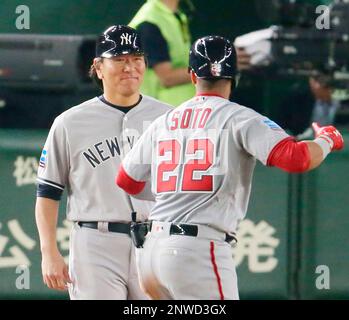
[
  {"x": 82, "y": 154},
  {"x": 200, "y": 158}
]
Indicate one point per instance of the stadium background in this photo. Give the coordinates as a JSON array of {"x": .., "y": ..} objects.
[{"x": 295, "y": 223}]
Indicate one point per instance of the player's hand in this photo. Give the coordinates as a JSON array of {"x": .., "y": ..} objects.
[
  {"x": 329, "y": 133},
  {"x": 55, "y": 271}
]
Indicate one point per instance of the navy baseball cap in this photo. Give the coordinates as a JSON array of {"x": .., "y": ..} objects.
[{"x": 118, "y": 40}]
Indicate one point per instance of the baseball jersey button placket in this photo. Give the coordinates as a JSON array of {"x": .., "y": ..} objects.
[{"x": 124, "y": 135}]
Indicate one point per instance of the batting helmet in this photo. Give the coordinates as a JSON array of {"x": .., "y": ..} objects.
[
  {"x": 213, "y": 57},
  {"x": 118, "y": 40}
]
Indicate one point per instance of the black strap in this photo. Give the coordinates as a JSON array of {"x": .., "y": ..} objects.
[
  {"x": 192, "y": 230},
  {"x": 184, "y": 229},
  {"x": 134, "y": 216},
  {"x": 118, "y": 227},
  {"x": 230, "y": 238}
]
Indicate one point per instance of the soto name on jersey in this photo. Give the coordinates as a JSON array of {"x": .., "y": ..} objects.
[{"x": 190, "y": 118}]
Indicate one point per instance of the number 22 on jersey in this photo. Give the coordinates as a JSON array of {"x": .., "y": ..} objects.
[{"x": 190, "y": 174}]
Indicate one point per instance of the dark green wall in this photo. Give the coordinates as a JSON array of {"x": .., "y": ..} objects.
[
  {"x": 229, "y": 18},
  {"x": 67, "y": 16},
  {"x": 226, "y": 17}
]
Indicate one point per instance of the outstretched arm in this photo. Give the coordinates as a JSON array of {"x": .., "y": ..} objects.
[{"x": 303, "y": 156}]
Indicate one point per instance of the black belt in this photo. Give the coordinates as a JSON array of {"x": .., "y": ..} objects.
[
  {"x": 192, "y": 230},
  {"x": 184, "y": 229},
  {"x": 118, "y": 227}
]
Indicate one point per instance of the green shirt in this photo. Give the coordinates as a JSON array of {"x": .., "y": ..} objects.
[{"x": 176, "y": 33}]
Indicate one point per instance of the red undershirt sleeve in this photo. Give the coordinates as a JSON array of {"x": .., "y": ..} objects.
[
  {"x": 290, "y": 156},
  {"x": 130, "y": 185}
]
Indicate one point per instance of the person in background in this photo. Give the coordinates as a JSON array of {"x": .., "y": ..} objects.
[
  {"x": 164, "y": 30},
  {"x": 165, "y": 33},
  {"x": 314, "y": 103}
]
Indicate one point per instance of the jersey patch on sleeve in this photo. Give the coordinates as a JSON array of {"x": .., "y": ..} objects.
[
  {"x": 272, "y": 125},
  {"x": 43, "y": 157}
]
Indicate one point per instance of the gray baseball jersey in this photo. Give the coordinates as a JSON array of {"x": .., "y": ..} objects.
[
  {"x": 83, "y": 151},
  {"x": 200, "y": 158}
]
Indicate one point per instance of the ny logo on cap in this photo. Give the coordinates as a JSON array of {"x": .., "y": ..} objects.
[{"x": 126, "y": 37}]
